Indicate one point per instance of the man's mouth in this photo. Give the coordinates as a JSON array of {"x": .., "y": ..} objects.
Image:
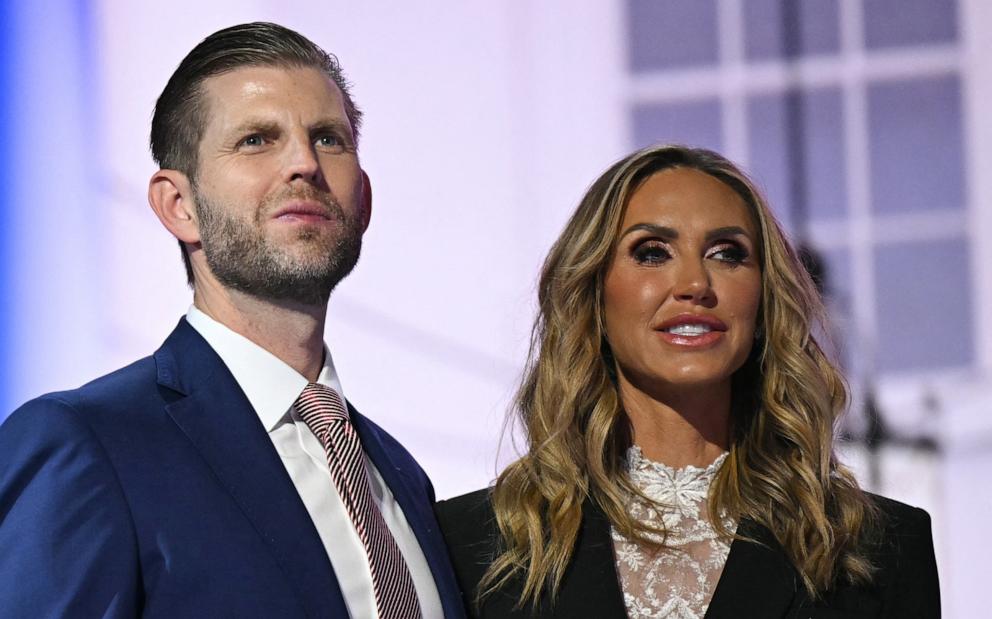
[{"x": 304, "y": 212}]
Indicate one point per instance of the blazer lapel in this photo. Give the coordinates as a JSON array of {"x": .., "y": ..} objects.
[
  {"x": 757, "y": 581},
  {"x": 591, "y": 587},
  {"x": 417, "y": 509},
  {"x": 218, "y": 419}
]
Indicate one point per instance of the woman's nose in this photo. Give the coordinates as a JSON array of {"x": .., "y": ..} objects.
[{"x": 693, "y": 283}]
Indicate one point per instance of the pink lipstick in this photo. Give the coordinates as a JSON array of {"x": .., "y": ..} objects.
[{"x": 692, "y": 330}]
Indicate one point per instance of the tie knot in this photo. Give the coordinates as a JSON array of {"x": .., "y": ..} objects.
[{"x": 319, "y": 406}]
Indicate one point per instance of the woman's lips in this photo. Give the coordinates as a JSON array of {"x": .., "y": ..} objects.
[
  {"x": 692, "y": 330},
  {"x": 692, "y": 341}
]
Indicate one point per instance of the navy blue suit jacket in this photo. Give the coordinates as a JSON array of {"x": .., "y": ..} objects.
[{"x": 155, "y": 491}]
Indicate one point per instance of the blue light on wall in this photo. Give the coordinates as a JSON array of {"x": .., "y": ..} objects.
[
  {"x": 7, "y": 42},
  {"x": 49, "y": 162}
]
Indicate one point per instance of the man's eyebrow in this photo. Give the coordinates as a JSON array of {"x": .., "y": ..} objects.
[
  {"x": 255, "y": 125},
  {"x": 330, "y": 123},
  {"x": 269, "y": 127},
  {"x": 669, "y": 234}
]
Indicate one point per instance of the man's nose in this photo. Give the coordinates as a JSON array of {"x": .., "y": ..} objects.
[
  {"x": 693, "y": 283},
  {"x": 301, "y": 161}
]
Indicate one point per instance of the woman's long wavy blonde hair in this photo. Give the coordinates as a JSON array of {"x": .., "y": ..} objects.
[{"x": 781, "y": 472}]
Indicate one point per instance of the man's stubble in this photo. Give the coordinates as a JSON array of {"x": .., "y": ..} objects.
[{"x": 242, "y": 258}]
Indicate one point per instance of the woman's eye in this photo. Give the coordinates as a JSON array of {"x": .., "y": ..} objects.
[
  {"x": 734, "y": 254},
  {"x": 651, "y": 253}
]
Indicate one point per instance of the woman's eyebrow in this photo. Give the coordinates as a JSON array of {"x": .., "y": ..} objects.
[
  {"x": 669, "y": 234},
  {"x": 726, "y": 231}
]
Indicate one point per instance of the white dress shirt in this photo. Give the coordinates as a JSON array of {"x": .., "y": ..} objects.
[{"x": 272, "y": 387}]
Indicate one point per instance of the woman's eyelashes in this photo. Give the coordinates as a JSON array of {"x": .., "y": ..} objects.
[
  {"x": 730, "y": 252},
  {"x": 653, "y": 251}
]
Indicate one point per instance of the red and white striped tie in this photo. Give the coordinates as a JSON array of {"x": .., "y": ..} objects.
[{"x": 324, "y": 413}]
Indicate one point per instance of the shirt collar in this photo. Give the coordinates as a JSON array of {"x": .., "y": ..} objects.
[{"x": 269, "y": 383}]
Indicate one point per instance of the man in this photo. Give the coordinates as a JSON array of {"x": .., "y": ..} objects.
[{"x": 224, "y": 476}]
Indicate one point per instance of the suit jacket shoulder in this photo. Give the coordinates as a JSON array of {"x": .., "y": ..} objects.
[
  {"x": 589, "y": 587},
  {"x": 48, "y": 444},
  {"x": 124, "y": 497},
  {"x": 116, "y": 498},
  {"x": 902, "y": 551},
  {"x": 904, "y": 585}
]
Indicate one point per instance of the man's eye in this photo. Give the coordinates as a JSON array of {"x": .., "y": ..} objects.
[
  {"x": 651, "y": 253},
  {"x": 253, "y": 140},
  {"x": 328, "y": 141}
]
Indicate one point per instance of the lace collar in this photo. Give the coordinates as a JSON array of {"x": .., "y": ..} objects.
[
  {"x": 678, "y": 579},
  {"x": 682, "y": 489}
]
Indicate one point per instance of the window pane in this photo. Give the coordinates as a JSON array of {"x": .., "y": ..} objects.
[
  {"x": 842, "y": 340},
  {"x": 694, "y": 123},
  {"x": 915, "y": 145},
  {"x": 796, "y": 150},
  {"x": 672, "y": 33},
  {"x": 923, "y": 305},
  {"x": 776, "y": 29},
  {"x": 893, "y": 23}
]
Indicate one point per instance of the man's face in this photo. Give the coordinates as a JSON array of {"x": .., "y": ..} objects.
[{"x": 279, "y": 193}]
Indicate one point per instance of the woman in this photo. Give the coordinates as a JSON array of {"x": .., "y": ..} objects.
[{"x": 679, "y": 418}]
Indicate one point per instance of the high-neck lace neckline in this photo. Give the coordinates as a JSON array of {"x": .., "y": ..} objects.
[
  {"x": 678, "y": 579},
  {"x": 637, "y": 462}
]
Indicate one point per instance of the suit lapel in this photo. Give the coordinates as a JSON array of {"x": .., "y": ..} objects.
[
  {"x": 417, "y": 509},
  {"x": 218, "y": 419},
  {"x": 591, "y": 587},
  {"x": 757, "y": 579}
]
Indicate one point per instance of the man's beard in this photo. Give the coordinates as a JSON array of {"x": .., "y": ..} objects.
[{"x": 242, "y": 258}]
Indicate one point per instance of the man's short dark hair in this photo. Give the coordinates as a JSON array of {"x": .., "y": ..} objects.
[{"x": 180, "y": 114}]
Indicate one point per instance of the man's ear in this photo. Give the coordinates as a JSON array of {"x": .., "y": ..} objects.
[
  {"x": 366, "y": 201},
  {"x": 171, "y": 197}
]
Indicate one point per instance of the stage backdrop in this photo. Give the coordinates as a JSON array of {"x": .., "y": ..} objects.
[{"x": 864, "y": 120}]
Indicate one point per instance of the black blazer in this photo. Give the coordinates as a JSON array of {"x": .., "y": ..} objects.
[{"x": 757, "y": 581}]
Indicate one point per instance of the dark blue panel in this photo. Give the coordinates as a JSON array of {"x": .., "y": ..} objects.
[
  {"x": 672, "y": 34},
  {"x": 796, "y": 152},
  {"x": 915, "y": 145},
  {"x": 894, "y": 23},
  {"x": 693, "y": 123},
  {"x": 923, "y": 304},
  {"x": 777, "y": 29}
]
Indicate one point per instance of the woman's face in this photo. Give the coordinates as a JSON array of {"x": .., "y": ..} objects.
[{"x": 682, "y": 292}]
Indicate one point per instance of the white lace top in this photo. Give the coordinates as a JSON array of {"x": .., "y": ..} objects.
[{"x": 678, "y": 580}]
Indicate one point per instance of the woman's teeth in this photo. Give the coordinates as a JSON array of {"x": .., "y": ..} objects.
[{"x": 689, "y": 330}]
